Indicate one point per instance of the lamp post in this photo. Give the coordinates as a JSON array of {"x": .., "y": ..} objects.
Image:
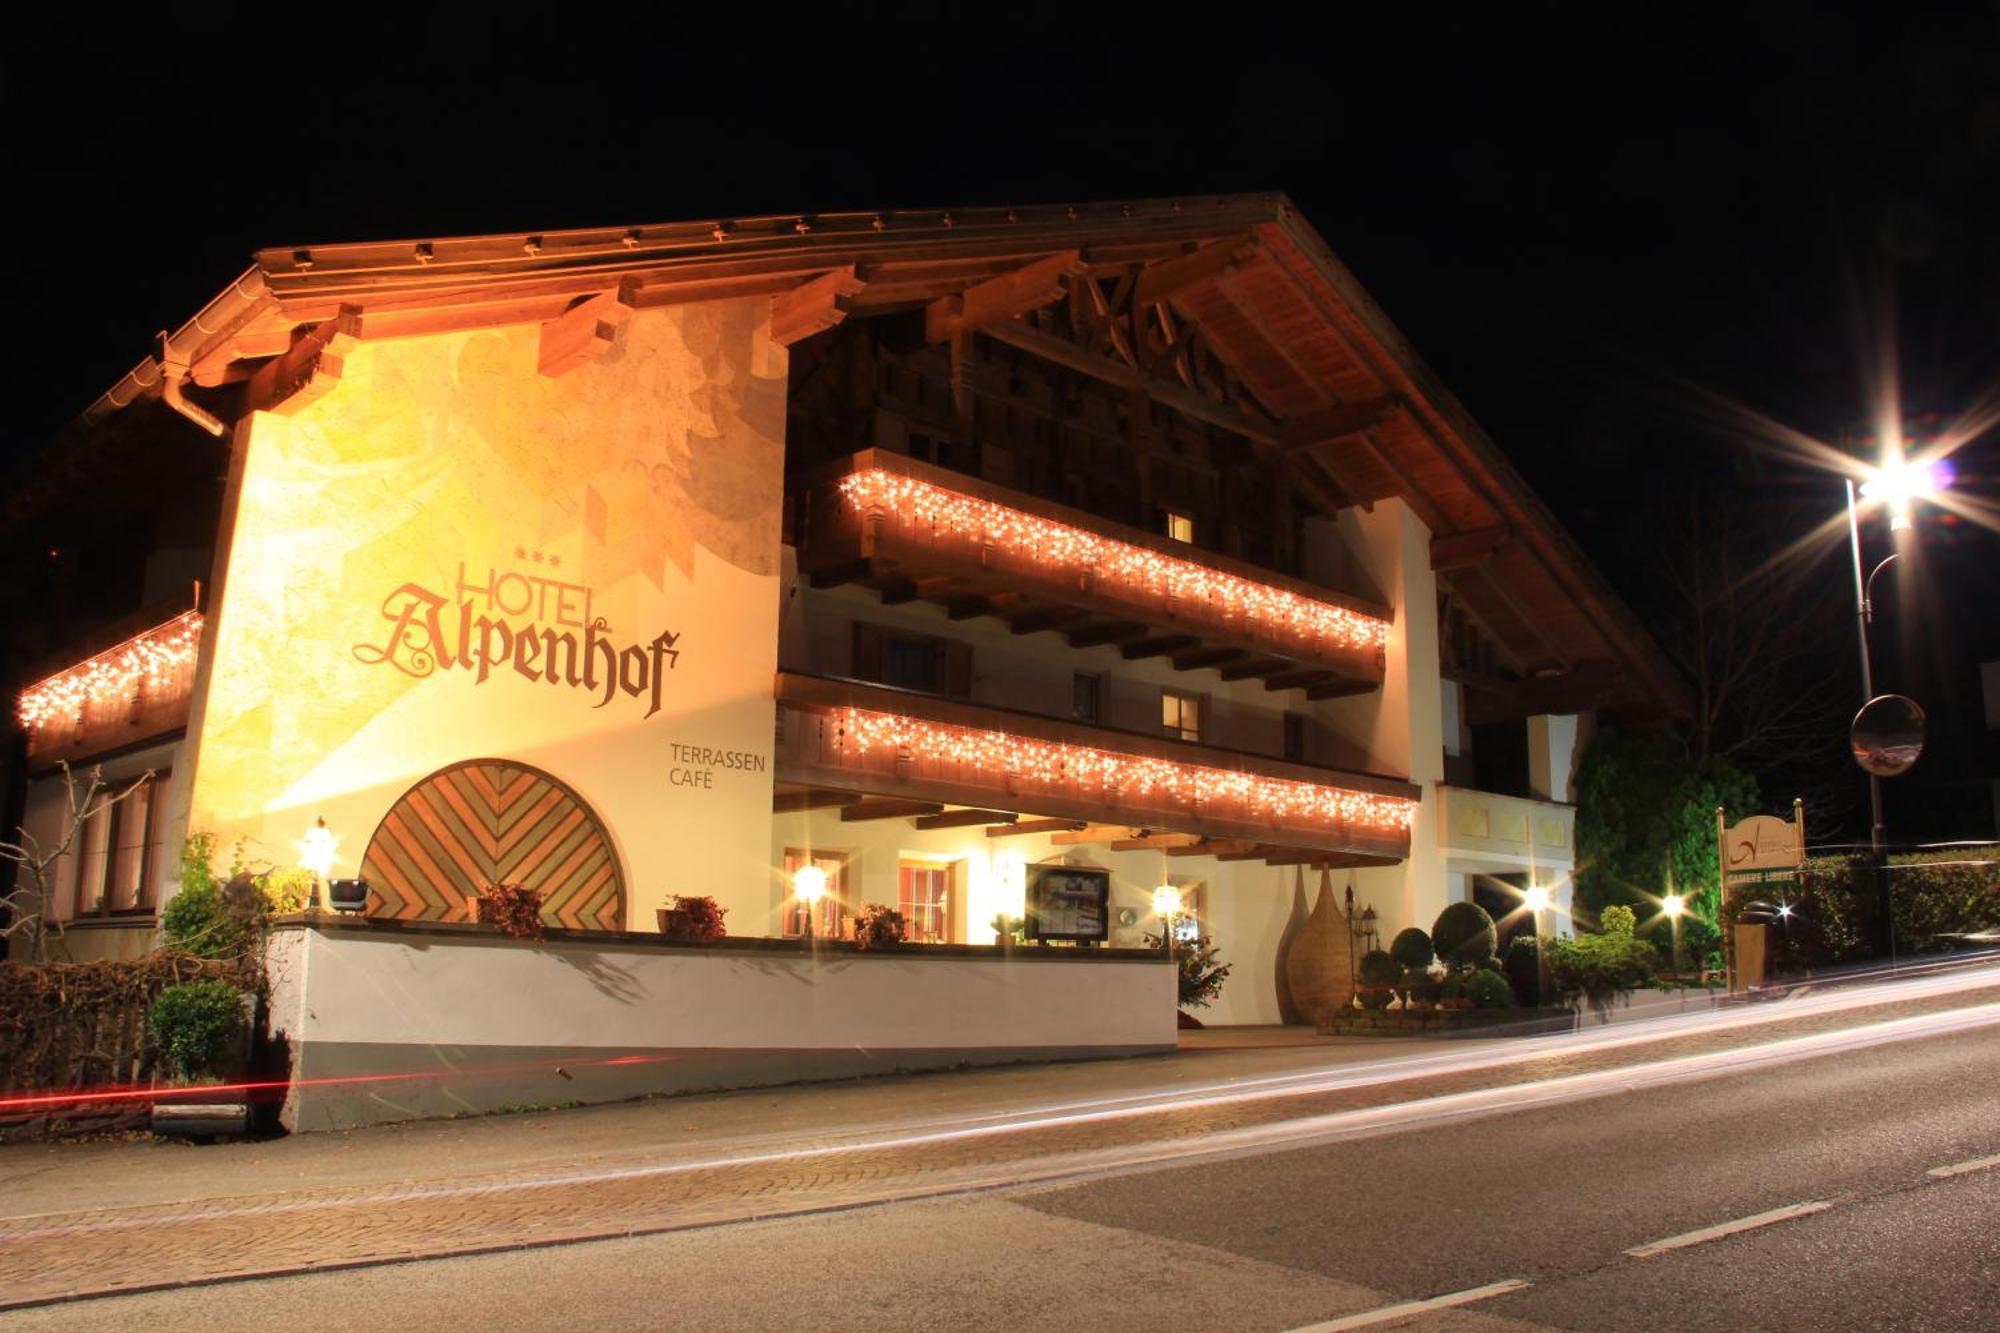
[
  {"x": 316, "y": 855},
  {"x": 1166, "y": 906},
  {"x": 1674, "y": 905},
  {"x": 809, "y": 886},
  {"x": 1897, "y": 484},
  {"x": 1536, "y": 900}
]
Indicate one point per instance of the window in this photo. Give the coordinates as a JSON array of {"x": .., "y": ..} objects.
[
  {"x": 1086, "y": 697},
  {"x": 1295, "y": 736},
  {"x": 913, "y": 661},
  {"x": 1188, "y": 926},
  {"x": 923, "y": 896},
  {"x": 832, "y": 922},
  {"x": 114, "y": 868},
  {"x": 1177, "y": 525},
  {"x": 1180, "y": 715}
]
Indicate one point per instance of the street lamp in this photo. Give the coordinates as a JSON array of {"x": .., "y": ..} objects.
[{"x": 1896, "y": 485}]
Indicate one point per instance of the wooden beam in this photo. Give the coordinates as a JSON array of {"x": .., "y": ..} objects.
[
  {"x": 1026, "y": 288},
  {"x": 1160, "y": 647},
  {"x": 1462, "y": 550},
  {"x": 1340, "y": 689},
  {"x": 1334, "y": 421},
  {"x": 1085, "y": 362},
  {"x": 816, "y": 305},
  {"x": 1111, "y": 631},
  {"x": 964, "y": 818},
  {"x": 1037, "y": 826},
  {"x": 1207, "y": 657},
  {"x": 1298, "y": 679},
  {"x": 583, "y": 332},
  {"x": 1210, "y": 847},
  {"x": 888, "y": 808},
  {"x": 1095, "y": 833},
  {"x": 816, "y": 799},
  {"x": 1160, "y": 281},
  {"x": 1155, "y": 841},
  {"x": 1256, "y": 666},
  {"x": 312, "y": 366},
  {"x": 1054, "y": 617}
]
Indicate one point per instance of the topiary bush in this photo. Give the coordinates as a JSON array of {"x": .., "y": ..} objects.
[
  {"x": 1489, "y": 990},
  {"x": 1419, "y": 987},
  {"x": 1523, "y": 968},
  {"x": 1464, "y": 936},
  {"x": 1379, "y": 969},
  {"x": 198, "y": 1026},
  {"x": 1411, "y": 948}
]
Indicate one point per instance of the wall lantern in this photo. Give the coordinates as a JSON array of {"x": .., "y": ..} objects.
[{"x": 809, "y": 886}]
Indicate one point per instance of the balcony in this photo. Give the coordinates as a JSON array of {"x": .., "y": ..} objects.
[
  {"x": 877, "y": 752},
  {"x": 1505, "y": 833},
  {"x": 909, "y": 530},
  {"x": 135, "y": 691}
]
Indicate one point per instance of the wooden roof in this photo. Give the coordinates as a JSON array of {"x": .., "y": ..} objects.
[{"x": 1335, "y": 389}]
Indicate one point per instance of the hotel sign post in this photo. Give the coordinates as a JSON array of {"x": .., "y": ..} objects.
[{"x": 1761, "y": 850}]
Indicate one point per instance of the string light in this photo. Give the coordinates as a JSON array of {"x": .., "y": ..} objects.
[
  {"x": 1056, "y": 763},
  {"x": 1113, "y": 562},
  {"x": 151, "y": 659}
]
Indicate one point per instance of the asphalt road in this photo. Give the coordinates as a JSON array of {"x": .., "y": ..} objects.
[{"x": 1553, "y": 1196}]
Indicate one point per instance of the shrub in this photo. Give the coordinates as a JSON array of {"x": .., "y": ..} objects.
[
  {"x": 1419, "y": 986},
  {"x": 1936, "y": 897},
  {"x": 1599, "y": 969},
  {"x": 198, "y": 1025},
  {"x": 1464, "y": 936},
  {"x": 1489, "y": 990},
  {"x": 879, "y": 926},
  {"x": 286, "y": 889},
  {"x": 1201, "y": 976},
  {"x": 1523, "y": 968},
  {"x": 515, "y": 908},
  {"x": 1411, "y": 948},
  {"x": 1379, "y": 969},
  {"x": 702, "y": 919},
  {"x": 1617, "y": 920}
]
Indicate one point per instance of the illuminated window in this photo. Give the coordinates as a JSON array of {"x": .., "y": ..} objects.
[
  {"x": 1180, "y": 715},
  {"x": 833, "y": 922},
  {"x": 1086, "y": 697},
  {"x": 1188, "y": 925},
  {"x": 924, "y": 899},
  {"x": 1178, "y": 526}
]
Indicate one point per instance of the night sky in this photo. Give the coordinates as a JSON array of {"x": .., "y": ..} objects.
[{"x": 1588, "y": 226}]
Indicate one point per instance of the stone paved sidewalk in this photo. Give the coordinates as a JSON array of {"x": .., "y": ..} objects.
[{"x": 326, "y": 1201}]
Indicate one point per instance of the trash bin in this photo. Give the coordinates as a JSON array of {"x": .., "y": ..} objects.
[{"x": 1753, "y": 924}]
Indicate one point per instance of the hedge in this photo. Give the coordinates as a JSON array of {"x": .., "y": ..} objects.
[{"x": 1937, "y": 897}]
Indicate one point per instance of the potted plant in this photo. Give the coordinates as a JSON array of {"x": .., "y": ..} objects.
[
  {"x": 689, "y": 917},
  {"x": 515, "y": 908},
  {"x": 1007, "y": 930},
  {"x": 201, "y": 1030},
  {"x": 879, "y": 926},
  {"x": 1379, "y": 975}
]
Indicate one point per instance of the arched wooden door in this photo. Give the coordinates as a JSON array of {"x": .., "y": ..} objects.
[{"x": 491, "y": 821}]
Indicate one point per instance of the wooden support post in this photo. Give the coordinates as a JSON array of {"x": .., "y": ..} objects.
[
  {"x": 585, "y": 330},
  {"x": 815, "y": 306}
]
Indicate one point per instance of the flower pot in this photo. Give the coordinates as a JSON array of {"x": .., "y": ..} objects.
[{"x": 676, "y": 922}]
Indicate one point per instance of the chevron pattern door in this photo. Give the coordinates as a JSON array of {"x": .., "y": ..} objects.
[{"x": 493, "y": 822}]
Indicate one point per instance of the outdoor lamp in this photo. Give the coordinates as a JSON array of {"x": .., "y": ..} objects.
[
  {"x": 809, "y": 886},
  {"x": 1674, "y": 904},
  {"x": 1536, "y": 899},
  {"x": 316, "y": 855}
]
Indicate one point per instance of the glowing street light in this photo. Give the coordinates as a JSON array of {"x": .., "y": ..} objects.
[
  {"x": 1898, "y": 482},
  {"x": 1674, "y": 905},
  {"x": 1536, "y": 900}
]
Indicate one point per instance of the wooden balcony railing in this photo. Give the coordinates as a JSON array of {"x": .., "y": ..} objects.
[
  {"x": 133, "y": 692},
  {"x": 910, "y": 530},
  {"x": 845, "y": 736}
]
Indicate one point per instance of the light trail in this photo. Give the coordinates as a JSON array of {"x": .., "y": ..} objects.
[{"x": 1283, "y": 1134}]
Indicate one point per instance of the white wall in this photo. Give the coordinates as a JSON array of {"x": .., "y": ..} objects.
[
  {"x": 453, "y": 1016},
  {"x": 1552, "y": 755}
]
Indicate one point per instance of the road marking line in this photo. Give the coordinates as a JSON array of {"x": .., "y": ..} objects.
[
  {"x": 1963, "y": 1168},
  {"x": 1717, "y": 1232},
  {"x": 1407, "y": 1308}
]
